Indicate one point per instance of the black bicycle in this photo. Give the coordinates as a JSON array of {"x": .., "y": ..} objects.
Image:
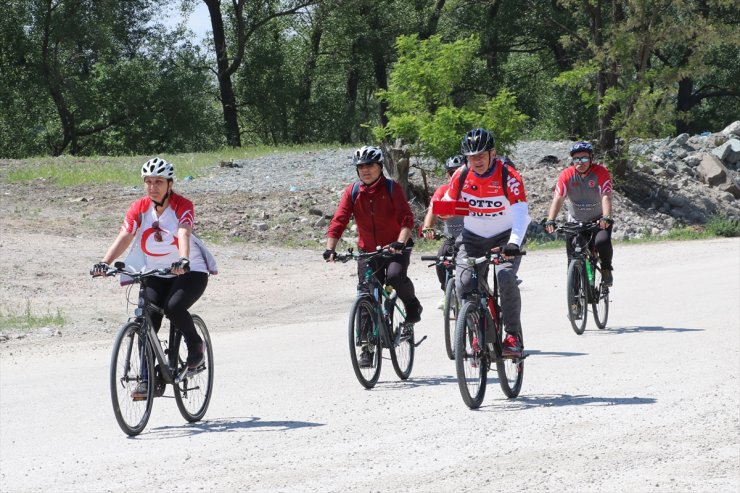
[
  {"x": 377, "y": 321},
  {"x": 585, "y": 285},
  {"x": 452, "y": 303},
  {"x": 479, "y": 339},
  {"x": 141, "y": 361}
]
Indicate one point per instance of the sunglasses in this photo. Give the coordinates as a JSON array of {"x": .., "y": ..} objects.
[
  {"x": 581, "y": 159},
  {"x": 157, "y": 232}
]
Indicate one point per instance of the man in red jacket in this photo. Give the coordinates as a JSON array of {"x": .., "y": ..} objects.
[{"x": 384, "y": 219}]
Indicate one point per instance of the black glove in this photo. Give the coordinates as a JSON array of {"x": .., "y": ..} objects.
[
  {"x": 99, "y": 269},
  {"x": 511, "y": 250},
  {"x": 183, "y": 264},
  {"x": 550, "y": 222},
  {"x": 397, "y": 245},
  {"x": 608, "y": 220},
  {"x": 329, "y": 254}
]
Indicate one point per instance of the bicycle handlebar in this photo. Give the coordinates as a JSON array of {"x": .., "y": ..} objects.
[
  {"x": 495, "y": 258},
  {"x": 578, "y": 227},
  {"x": 351, "y": 255},
  {"x": 120, "y": 268}
]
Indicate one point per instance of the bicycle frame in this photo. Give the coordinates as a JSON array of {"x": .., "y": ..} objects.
[
  {"x": 482, "y": 290},
  {"x": 168, "y": 367}
]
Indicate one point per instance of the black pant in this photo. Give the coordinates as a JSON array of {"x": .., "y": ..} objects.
[
  {"x": 175, "y": 295},
  {"x": 446, "y": 248},
  {"x": 601, "y": 241},
  {"x": 393, "y": 271}
]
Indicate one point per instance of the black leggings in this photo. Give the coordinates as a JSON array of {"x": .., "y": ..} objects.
[
  {"x": 175, "y": 295},
  {"x": 392, "y": 271},
  {"x": 601, "y": 241}
]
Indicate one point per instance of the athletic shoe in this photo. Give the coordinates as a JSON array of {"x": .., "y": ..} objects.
[
  {"x": 413, "y": 311},
  {"x": 366, "y": 358},
  {"x": 511, "y": 346},
  {"x": 196, "y": 357},
  {"x": 606, "y": 277},
  {"x": 441, "y": 304},
  {"x": 140, "y": 392}
]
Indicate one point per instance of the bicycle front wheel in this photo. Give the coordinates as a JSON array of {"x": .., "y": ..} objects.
[
  {"x": 402, "y": 355},
  {"x": 471, "y": 365},
  {"x": 193, "y": 393},
  {"x": 577, "y": 288},
  {"x": 364, "y": 342},
  {"x": 130, "y": 374},
  {"x": 452, "y": 307},
  {"x": 600, "y": 306}
]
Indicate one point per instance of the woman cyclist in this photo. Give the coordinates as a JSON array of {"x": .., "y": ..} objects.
[{"x": 160, "y": 226}]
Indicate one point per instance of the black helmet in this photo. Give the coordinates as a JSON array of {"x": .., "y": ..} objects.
[
  {"x": 366, "y": 155},
  {"x": 454, "y": 162},
  {"x": 477, "y": 141}
]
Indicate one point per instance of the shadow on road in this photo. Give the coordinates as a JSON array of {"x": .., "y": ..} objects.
[
  {"x": 252, "y": 423},
  {"x": 562, "y": 400},
  {"x": 636, "y": 329},
  {"x": 415, "y": 382},
  {"x": 537, "y": 352}
]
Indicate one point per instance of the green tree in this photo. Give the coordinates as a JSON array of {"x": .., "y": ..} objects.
[{"x": 422, "y": 105}]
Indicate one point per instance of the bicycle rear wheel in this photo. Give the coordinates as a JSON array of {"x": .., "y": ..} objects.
[
  {"x": 452, "y": 308},
  {"x": 600, "y": 306},
  {"x": 577, "y": 288},
  {"x": 131, "y": 360},
  {"x": 471, "y": 365},
  {"x": 402, "y": 356},
  {"x": 510, "y": 370},
  {"x": 193, "y": 393},
  {"x": 364, "y": 335}
]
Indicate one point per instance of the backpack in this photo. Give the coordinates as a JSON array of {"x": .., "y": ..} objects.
[
  {"x": 505, "y": 161},
  {"x": 356, "y": 189}
]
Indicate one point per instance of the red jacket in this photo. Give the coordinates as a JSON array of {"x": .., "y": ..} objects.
[{"x": 379, "y": 218}]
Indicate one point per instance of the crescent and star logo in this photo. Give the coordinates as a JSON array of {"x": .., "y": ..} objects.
[{"x": 145, "y": 238}]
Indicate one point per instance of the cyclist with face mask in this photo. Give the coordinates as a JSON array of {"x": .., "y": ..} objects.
[{"x": 588, "y": 187}]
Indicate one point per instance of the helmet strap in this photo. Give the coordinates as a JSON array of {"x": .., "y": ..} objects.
[{"x": 166, "y": 196}]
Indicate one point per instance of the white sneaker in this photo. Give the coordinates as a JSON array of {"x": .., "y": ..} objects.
[{"x": 441, "y": 304}]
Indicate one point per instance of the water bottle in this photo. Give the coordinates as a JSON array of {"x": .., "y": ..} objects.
[{"x": 589, "y": 272}]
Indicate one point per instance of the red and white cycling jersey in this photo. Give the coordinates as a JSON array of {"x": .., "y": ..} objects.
[
  {"x": 156, "y": 244},
  {"x": 491, "y": 211}
]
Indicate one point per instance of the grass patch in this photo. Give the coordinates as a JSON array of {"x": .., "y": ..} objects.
[
  {"x": 27, "y": 319},
  {"x": 65, "y": 171}
]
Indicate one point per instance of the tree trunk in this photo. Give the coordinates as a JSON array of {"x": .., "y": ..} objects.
[
  {"x": 353, "y": 81},
  {"x": 430, "y": 29},
  {"x": 381, "y": 80},
  {"x": 226, "y": 89},
  {"x": 303, "y": 114}
]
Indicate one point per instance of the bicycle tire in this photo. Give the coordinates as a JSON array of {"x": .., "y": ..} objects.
[
  {"x": 471, "y": 365},
  {"x": 451, "y": 310},
  {"x": 510, "y": 370},
  {"x": 600, "y": 307},
  {"x": 363, "y": 309},
  {"x": 577, "y": 295},
  {"x": 402, "y": 356},
  {"x": 193, "y": 393},
  {"x": 130, "y": 357}
]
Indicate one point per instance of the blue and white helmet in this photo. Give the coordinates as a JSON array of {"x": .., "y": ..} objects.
[
  {"x": 158, "y": 167},
  {"x": 454, "y": 162},
  {"x": 366, "y": 155},
  {"x": 582, "y": 147}
]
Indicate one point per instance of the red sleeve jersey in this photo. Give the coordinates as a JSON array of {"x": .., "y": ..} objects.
[{"x": 379, "y": 217}]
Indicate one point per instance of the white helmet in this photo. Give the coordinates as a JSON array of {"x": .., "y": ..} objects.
[{"x": 158, "y": 167}]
